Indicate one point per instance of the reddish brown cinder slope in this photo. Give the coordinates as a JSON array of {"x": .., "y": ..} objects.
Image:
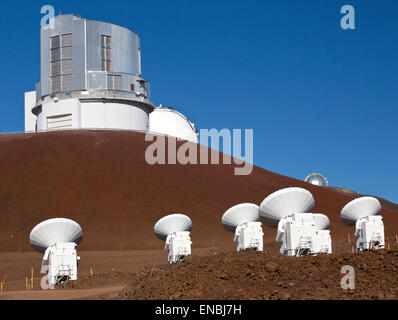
[{"x": 101, "y": 180}]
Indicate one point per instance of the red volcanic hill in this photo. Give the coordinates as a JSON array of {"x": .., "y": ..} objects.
[{"x": 101, "y": 180}]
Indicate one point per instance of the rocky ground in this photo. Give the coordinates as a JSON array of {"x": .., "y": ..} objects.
[{"x": 253, "y": 275}]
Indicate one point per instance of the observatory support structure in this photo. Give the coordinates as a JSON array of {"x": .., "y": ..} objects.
[
  {"x": 62, "y": 262},
  {"x": 249, "y": 235},
  {"x": 370, "y": 233},
  {"x": 179, "y": 245},
  {"x": 299, "y": 236}
]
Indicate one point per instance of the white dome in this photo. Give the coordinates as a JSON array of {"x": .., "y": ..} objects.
[
  {"x": 51, "y": 231},
  {"x": 241, "y": 213},
  {"x": 285, "y": 202},
  {"x": 172, "y": 223},
  {"x": 359, "y": 208},
  {"x": 172, "y": 123},
  {"x": 316, "y": 179},
  {"x": 322, "y": 222}
]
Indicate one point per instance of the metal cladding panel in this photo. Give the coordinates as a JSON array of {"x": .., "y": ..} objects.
[
  {"x": 79, "y": 66},
  {"x": 124, "y": 50},
  {"x": 63, "y": 25},
  {"x": 66, "y": 66},
  {"x": 71, "y": 31},
  {"x": 97, "y": 80},
  {"x": 30, "y": 118},
  {"x": 44, "y": 62},
  {"x": 67, "y": 82},
  {"x": 124, "y": 47}
]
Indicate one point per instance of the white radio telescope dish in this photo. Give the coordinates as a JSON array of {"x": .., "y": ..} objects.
[
  {"x": 360, "y": 208},
  {"x": 285, "y": 202},
  {"x": 241, "y": 213},
  {"x": 51, "y": 231},
  {"x": 172, "y": 223},
  {"x": 322, "y": 222}
]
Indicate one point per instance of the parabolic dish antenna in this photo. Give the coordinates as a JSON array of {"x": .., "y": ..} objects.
[
  {"x": 172, "y": 223},
  {"x": 241, "y": 213},
  {"x": 285, "y": 202},
  {"x": 360, "y": 208},
  {"x": 322, "y": 222},
  {"x": 316, "y": 179},
  {"x": 51, "y": 231}
]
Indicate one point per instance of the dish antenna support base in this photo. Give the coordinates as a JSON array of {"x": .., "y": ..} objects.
[
  {"x": 299, "y": 236},
  {"x": 179, "y": 245},
  {"x": 61, "y": 261},
  {"x": 370, "y": 233},
  {"x": 249, "y": 235}
]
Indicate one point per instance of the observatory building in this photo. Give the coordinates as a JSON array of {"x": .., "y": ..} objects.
[
  {"x": 90, "y": 77},
  {"x": 316, "y": 179}
]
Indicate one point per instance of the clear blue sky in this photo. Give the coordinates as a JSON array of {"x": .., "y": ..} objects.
[{"x": 318, "y": 98}]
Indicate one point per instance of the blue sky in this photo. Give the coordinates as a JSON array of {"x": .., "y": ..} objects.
[{"x": 319, "y": 98}]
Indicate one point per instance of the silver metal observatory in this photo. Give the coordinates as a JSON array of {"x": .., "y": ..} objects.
[{"x": 90, "y": 77}]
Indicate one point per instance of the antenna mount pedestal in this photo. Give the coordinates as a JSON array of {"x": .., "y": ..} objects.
[
  {"x": 249, "y": 235},
  {"x": 179, "y": 245},
  {"x": 370, "y": 233},
  {"x": 61, "y": 260},
  {"x": 299, "y": 236}
]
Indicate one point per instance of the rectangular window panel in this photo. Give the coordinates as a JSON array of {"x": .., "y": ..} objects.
[
  {"x": 103, "y": 54},
  {"x": 67, "y": 52},
  {"x": 55, "y": 69},
  {"x": 132, "y": 87},
  {"x": 117, "y": 82},
  {"x": 103, "y": 65},
  {"x": 106, "y": 53},
  {"x": 55, "y": 83},
  {"x": 54, "y": 42},
  {"x": 67, "y": 66},
  {"x": 67, "y": 82},
  {"x": 67, "y": 39},
  {"x": 106, "y": 65},
  {"x": 55, "y": 54},
  {"x": 103, "y": 41},
  {"x": 109, "y": 82}
]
